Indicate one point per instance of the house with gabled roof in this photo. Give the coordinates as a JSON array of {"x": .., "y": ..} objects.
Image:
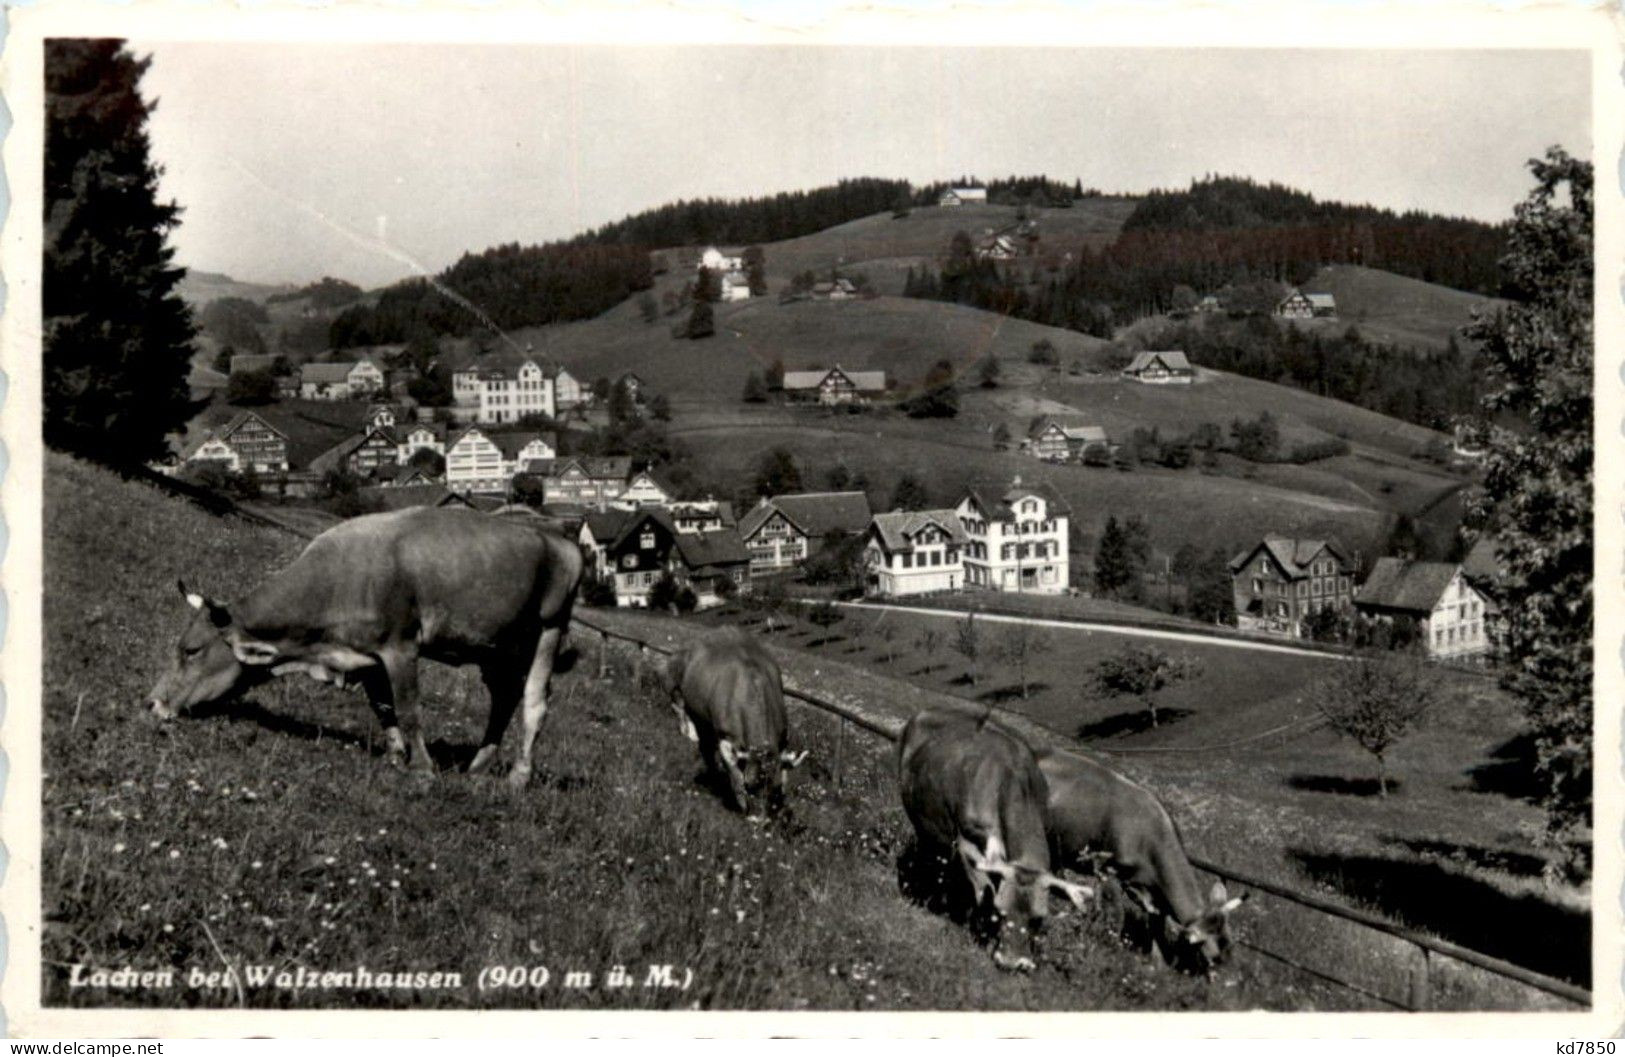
[
  {"x": 1279, "y": 582},
  {"x": 1454, "y": 619},
  {"x": 1053, "y": 441},
  {"x": 582, "y": 480},
  {"x": 421, "y": 436},
  {"x": 1160, "y": 368},
  {"x": 914, "y": 552},
  {"x": 713, "y": 565},
  {"x": 366, "y": 454},
  {"x": 246, "y": 441},
  {"x": 835, "y": 385},
  {"x": 384, "y": 497},
  {"x": 599, "y": 529},
  {"x": 1299, "y": 305},
  {"x": 643, "y": 488},
  {"x": 478, "y": 460},
  {"x": 963, "y": 196},
  {"x": 1016, "y": 538},
  {"x": 782, "y": 531},
  {"x": 837, "y": 289}
]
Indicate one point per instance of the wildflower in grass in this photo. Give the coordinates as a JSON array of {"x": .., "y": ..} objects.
[
  {"x": 219, "y": 843},
  {"x": 168, "y": 927},
  {"x": 174, "y": 853},
  {"x": 118, "y": 848},
  {"x": 255, "y": 865},
  {"x": 143, "y": 908}
]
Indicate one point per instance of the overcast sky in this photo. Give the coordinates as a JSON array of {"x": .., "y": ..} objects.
[{"x": 297, "y": 161}]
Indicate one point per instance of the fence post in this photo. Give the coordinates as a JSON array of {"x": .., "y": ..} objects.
[
  {"x": 637, "y": 667},
  {"x": 840, "y": 753},
  {"x": 1422, "y": 980},
  {"x": 603, "y": 654}
]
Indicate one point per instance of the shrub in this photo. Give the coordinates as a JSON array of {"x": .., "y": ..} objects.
[{"x": 1314, "y": 451}]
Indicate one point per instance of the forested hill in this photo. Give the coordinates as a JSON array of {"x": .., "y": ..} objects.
[
  {"x": 1267, "y": 225},
  {"x": 737, "y": 222}
]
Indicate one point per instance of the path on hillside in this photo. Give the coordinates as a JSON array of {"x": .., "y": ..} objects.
[{"x": 1113, "y": 629}]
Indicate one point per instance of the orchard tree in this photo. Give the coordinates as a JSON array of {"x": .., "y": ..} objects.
[
  {"x": 755, "y": 389},
  {"x": 1143, "y": 672},
  {"x": 756, "y": 271},
  {"x": 1019, "y": 646},
  {"x": 117, "y": 338},
  {"x": 1376, "y": 701},
  {"x": 1536, "y": 358},
  {"x": 968, "y": 642}
]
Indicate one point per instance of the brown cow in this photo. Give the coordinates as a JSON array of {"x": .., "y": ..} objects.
[
  {"x": 369, "y": 597},
  {"x": 1098, "y": 816},
  {"x": 973, "y": 791},
  {"x": 729, "y": 698}
]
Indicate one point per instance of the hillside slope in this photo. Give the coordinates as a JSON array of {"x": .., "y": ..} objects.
[{"x": 1397, "y": 309}]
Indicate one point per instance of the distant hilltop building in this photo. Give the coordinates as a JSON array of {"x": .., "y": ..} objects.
[
  {"x": 1299, "y": 305},
  {"x": 1160, "y": 368},
  {"x": 835, "y": 386},
  {"x": 963, "y": 196}
]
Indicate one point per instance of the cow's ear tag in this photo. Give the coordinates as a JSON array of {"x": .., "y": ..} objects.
[
  {"x": 194, "y": 600},
  {"x": 256, "y": 653}
]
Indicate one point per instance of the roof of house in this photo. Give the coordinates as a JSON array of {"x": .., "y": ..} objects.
[
  {"x": 252, "y": 361},
  {"x": 869, "y": 381},
  {"x": 1173, "y": 360},
  {"x": 1078, "y": 432},
  {"x": 1410, "y": 586},
  {"x": 1292, "y": 555},
  {"x": 716, "y": 547},
  {"x": 1322, "y": 300},
  {"x": 597, "y": 467},
  {"x": 242, "y": 417},
  {"x": 967, "y": 192},
  {"x": 606, "y": 525},
  {"x": 721, "y": 509},
  {"x": 334, "y": 456},
  {"x": 403, "y": 476},
  {"x": 899, "y": 527},
  {"x": 438, "y": 429},
  {"x": 512, "y": 442},
  {"x": 1002, "y": 510},
  {"x": 391, "y": 498},
  {"x": 326, "y": 373},
  {"x": 815, "y": 513}
]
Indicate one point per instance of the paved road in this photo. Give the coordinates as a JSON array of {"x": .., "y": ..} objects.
[{"x": 1110, "y": 629}]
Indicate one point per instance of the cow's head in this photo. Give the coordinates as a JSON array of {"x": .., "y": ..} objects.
[
  {"x": 212, "y": 659},
  {"x": 1205, "y": 942},
  {"x": 1020, "y": 896},
  {"x": 764, "y": 775}
]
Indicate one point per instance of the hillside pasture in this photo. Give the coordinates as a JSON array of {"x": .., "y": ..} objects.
[{"x": 1395, "y": 308}]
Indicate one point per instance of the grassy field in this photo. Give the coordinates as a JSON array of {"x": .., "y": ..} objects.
[{"x": 1395, "y": 308}]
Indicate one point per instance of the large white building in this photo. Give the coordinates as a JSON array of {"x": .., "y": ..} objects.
[
  {"x": 914, "y": 552},
  {"x": 504, "y": 394},
  {"x": 1017, "y": 542},
  {"x": 1453, "y": 618},
  {"x": 477, "y": 461}
]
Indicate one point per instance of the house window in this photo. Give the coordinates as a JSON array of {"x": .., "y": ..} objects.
[
  {"x": 1303, "y": 589},
  {"x": 647, "y": 541},
  {"x": 1258, "y": 586}
]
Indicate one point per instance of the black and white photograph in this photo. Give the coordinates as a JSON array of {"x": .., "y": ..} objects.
[{"x": 878, "y": 525}]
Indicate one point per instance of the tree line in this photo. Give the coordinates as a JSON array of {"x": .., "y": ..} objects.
[{"x": 786, "y": 215}]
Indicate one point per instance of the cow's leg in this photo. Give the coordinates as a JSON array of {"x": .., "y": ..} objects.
[
  {"x": 729, "y": 758},
  {"x": 381, "y": 696},
  {"x": 504, "y": 686},
  {"x": 401, "y": 665},
  {"x": 535, "y": 699}
]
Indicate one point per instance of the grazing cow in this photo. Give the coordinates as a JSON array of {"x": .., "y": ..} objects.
[
  {"x": 973, "y": 790},
  {"x": 729, "y": 698},
  {"x": 1098, "y": 816},
  {"x": 370, "y": 596}
]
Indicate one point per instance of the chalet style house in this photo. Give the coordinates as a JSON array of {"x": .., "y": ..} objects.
[
  {"x": 835, "y": 386},
  {"x": 1299, "y": 305},
  {"x": 421, "y": 436},
  {"x": 568, "y": 392},
  {"x": 963, "y": 196},
  {"x": 368, "y": 454},
  {"x": 1017, "y": 541},
  {"x": 1280, "y": 582},
  {"x": 1454, "y": 619},
  {"x": 600, "y": 528},
  {"x": 1160, "y": 368},
  {"x": 477, "y": 461},
  {"x": 340, "y": 381},
  {"x": 497, "y": 394},
  {"x": 643, "y": 489},
  {"x": 648, "y": 546},
  {"x": 784, "y": 530},
  {"x": 1051, "y": 441},
  {"x": 246, "y": 442},
  {"x": 914, "y": 552},
  {"x": 841, "y": 289}
]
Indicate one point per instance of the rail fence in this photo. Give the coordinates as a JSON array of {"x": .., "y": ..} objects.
[
  {"x": 1421, "y": 975},
  {"x": 1426, "y": 946}
]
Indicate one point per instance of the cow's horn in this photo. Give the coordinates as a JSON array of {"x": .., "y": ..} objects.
[
  {"x": 193, "y": 599},
  {"x": 1234, "y": 903}
]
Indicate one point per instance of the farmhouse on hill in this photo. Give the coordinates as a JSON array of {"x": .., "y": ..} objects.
[
  {"x": 248, "y": 441},
  {"x": 782, "y": 531},
  {"x": 1051, "y": 441},
  {"x": 1452, "y": 616},
  {"x": 835, "y": 386},
  {"x": 1016, "y": 539},
  {"x": 914, "y": 552},
  {"x": 963, "y": 196},
  {"x": 340, "y": 381},
  {"x": 1278, "y": 583},
  {"x": 839, "y": 289},
  {"x": 1160, "y": 368},
  {"x": 1299, "y": 305}
]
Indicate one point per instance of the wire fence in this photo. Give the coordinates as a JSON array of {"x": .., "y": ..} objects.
[{"x": 1421, "y": 985}]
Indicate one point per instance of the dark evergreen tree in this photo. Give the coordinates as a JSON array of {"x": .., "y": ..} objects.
[
  {"x": 117, "y": 336},
  {"x": 755, "y": 390},
  {"x": 777, "y": 473},
  {"x": 910, "y": 494}
]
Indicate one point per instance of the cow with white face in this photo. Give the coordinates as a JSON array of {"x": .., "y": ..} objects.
[
  {"x": 369, "y": 597},
  {"x": 974, "y": 793},
  {"x": 729, "y": 697},
  {"x": 1099, "y": 818}
]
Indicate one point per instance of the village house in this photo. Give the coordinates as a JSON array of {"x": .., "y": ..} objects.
[
  {"x": 997, "y": 247},
  {"x": 714, "y": 260},
  {"x": 599, "y": 529},
  {"x": 422, "y": 436},
  {"x": 587, "y": 481},
  {"x": 258, "y": 444},
  {"x": 782, "y": 531},
  {"x": 835, "y": 386},
  {"x": 914, "y": 552},
  {"x": 841, "y": 289},
  {"x": 648, "y": 547},
  {"x": 963, "y": 196},
  {"x": 701, "y": 515},
  {"x": 1453, "y": 618},
  {"x": 1160, "y": 368},
  {"x": 504, "y": 393},
  {"x": 734, "y": 287},
  {"x": 477, "y": 461},
  {"x": 210, "y": 448},
  {"x": 340, "y": 381},
  {"x": 1209, "y": 304},
  {"x": 1051, "y": 441},
  {"x": 381, "y": 416},
  {"x": 410, "y": 477},
  {"x": 643, "y": 489},
  {"x": 1279, "y": 583},
  {"x": 1018, "y": 542},
  {"x": 1299, "y": 305},
  {"x": 368, "y": 454},
  {"x": 568, "y": 392}
]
